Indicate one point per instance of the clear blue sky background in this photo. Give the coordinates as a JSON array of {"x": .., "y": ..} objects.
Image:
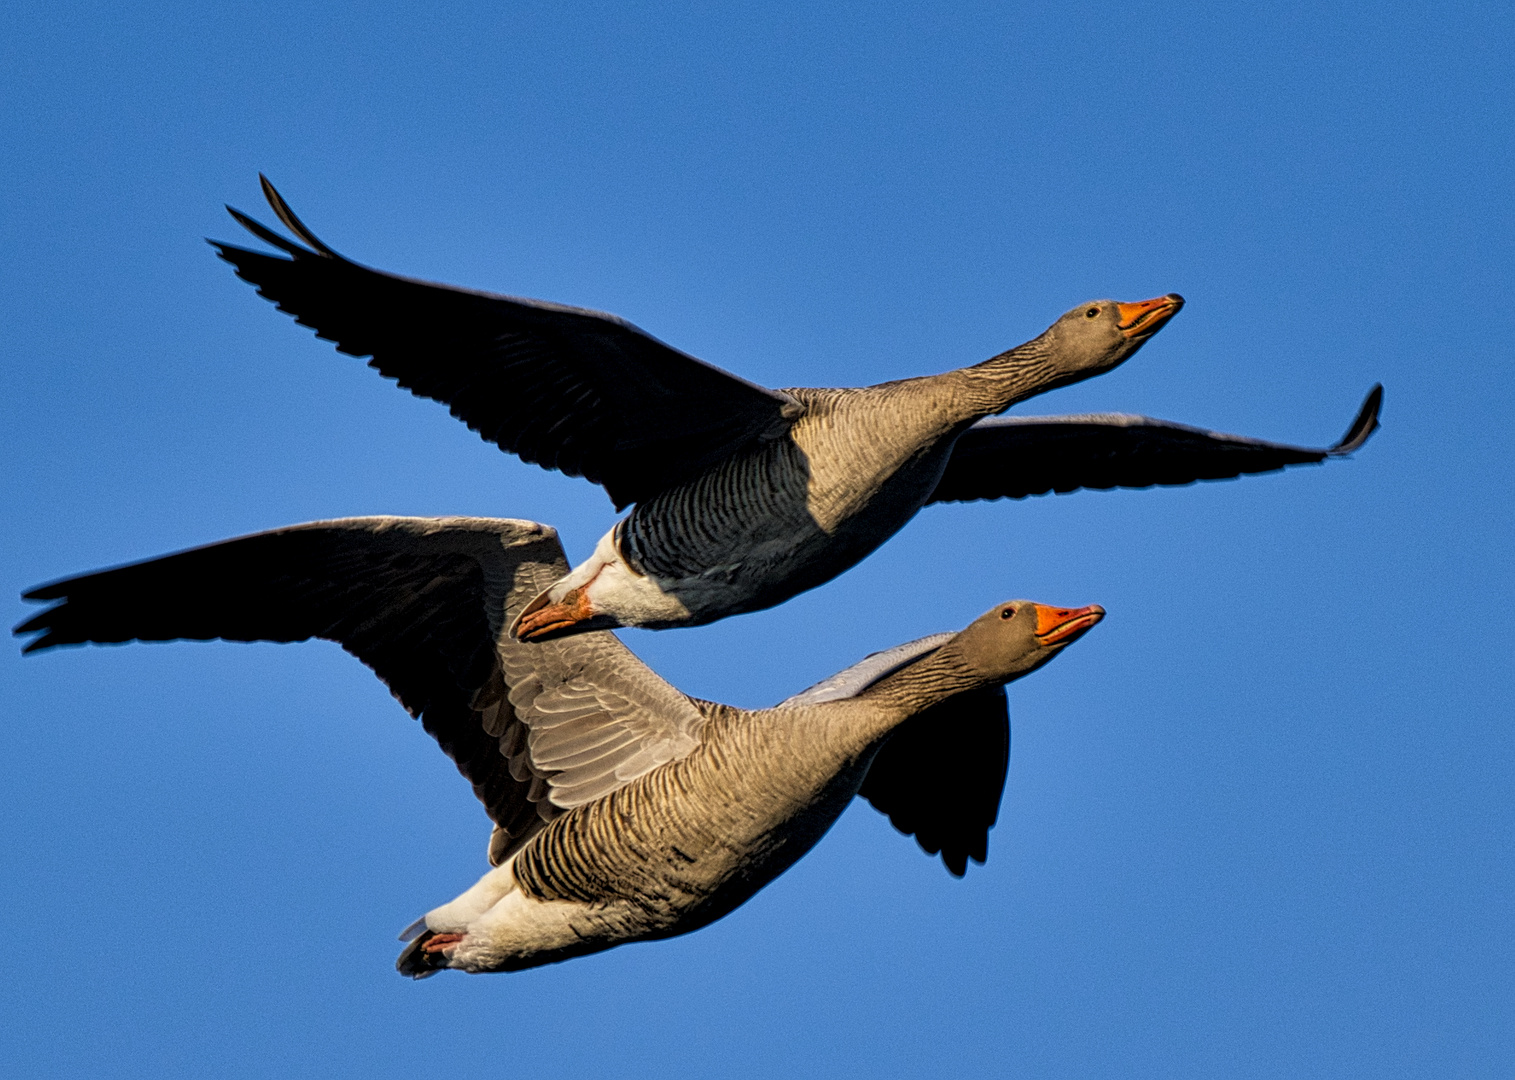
[{"x": 1258, "y": 824}]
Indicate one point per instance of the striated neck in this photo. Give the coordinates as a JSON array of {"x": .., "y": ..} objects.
[
  {"x": 1023, "y": 372},
  {"x": 913, "y": 689}
]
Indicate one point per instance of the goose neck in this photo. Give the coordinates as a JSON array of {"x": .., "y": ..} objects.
[
  {"x": 1022, "y": 372},
  {"x": 918, "y": 686},
  {"x": 834, "y": 733}
]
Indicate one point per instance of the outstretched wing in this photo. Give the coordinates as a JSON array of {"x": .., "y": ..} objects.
[
  {"x": 579, "y": 391},
  {"x": 940, "y": 775},
  {"x": 1013, "y": 457},
  {"x": 424, "y": 603}
]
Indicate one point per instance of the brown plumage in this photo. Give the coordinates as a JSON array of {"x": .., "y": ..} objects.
[
  {"x": 744, "y": 496},
  {"x": 623, "y": 809}
]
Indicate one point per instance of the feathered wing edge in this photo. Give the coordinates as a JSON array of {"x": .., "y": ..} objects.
[
  {"x": 418, "y": 600},
  {"x": 536, "y": 728},
  {"x": 1016, "y": 457},
  {"x": 579, "y": 391}
]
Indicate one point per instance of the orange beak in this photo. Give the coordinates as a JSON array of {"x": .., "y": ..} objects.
[
  {"x": 1058, "y": 626},
  {"x": 1141, "y": 320}
]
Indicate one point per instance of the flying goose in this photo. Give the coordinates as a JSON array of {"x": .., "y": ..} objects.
[
  {"x": 744, "y": 496},
  {"x": 623, "y": 810}
]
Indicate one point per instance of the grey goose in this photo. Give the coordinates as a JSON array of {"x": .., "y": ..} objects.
[
  {"x": 743, "y": 496},
  {"x": 623, "y": 810}
]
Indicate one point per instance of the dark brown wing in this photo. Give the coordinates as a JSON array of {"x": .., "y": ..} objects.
[
  {"x": 1013, "y": 457},
  {"x": 421, "y": 601},
  {"x": 941, "y": 774},
  {"x": 579, "y": 391}
]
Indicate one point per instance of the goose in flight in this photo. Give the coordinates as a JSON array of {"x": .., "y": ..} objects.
[
  {"x": 623, "y": 810},
  {"x": 743, "y": 496}
]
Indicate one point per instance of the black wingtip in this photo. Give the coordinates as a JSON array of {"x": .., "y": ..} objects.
[
  {"x": 291, "y": 222},
  {"x": 44, "y": 623},
  {"x": 41, "y": 641},
  {"x": 1365, "y": 424},
  {"x": 40, "y": 623},
  {"x": 262, "y": 232}
]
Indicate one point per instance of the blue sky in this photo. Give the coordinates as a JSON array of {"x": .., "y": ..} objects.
[{"x": 1258, "y": 823}]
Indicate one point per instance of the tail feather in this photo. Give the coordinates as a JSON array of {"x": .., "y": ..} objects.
[{"x": 416, "y": 962}]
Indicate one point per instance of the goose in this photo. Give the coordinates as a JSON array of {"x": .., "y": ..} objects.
[
  {"x": 743, "y": 496},
  {"x": 623, "y": 810}
]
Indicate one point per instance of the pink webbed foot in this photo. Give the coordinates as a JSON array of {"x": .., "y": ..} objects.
[{"x": 538, "y": 622}]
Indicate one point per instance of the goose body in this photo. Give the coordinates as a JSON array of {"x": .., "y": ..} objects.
[
  {"x": 670, "y": 852},
  {"x": 743, "y": 496},
  {"x": 623, "y": 810},
  {"x": 776, "y": 518}
]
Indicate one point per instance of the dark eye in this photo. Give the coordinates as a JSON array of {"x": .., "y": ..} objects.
[
  {"x": 1008, "y": 613},
  {"x": 1092, "y": 313}
]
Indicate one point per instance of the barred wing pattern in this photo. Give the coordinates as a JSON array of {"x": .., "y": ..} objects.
[
  {"x": 599, "y": 718},
  {"x": 1014, "y": 457},
  {"x": 580, "y": 391}
]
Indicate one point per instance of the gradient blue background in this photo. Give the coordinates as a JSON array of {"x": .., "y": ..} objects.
[{"x": 1258, "y": 824}]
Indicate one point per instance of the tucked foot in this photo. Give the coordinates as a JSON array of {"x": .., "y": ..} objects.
[
  {"x": 426, "y": 955},
  {"x": 537, "y": 623}
]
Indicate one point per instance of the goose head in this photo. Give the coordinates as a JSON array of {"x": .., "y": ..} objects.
[
  {"x": 1102, "y": 334},
  {"x": 1019, "y": 636}
]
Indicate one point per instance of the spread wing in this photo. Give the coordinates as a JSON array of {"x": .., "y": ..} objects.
[
  {"x": 579, "y": 391},
  {"x": 1013, "y": 457},
  {"x": 424, "y": 603},
  {"x": 939, "y": 777}
]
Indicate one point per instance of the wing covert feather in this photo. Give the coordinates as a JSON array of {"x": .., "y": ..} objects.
[
  {"x": 598, "y": 717},
  {"x": 852, "y": 681}
]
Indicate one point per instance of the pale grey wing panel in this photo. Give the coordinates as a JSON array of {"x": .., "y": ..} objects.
[
  {"x": 598, "y": 717},
  {"x": 421, "y": 601},
  {"x": 1012, "y": 457},
  {"x": 854, "y": 680},
  {"x": 567, "y": 388}
]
